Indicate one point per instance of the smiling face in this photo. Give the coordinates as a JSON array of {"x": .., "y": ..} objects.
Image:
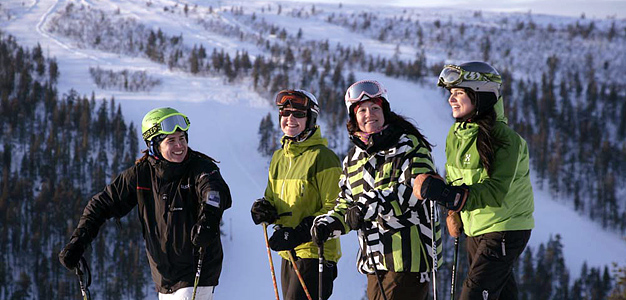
[
  {"x": 369, "y": 117},
  {"x": 174, "y": 147},
  {"x": 290, "y": 125},
  {"x": 460, "y": 103}
]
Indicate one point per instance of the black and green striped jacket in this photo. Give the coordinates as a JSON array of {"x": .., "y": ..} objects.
[{"x": 379, "y": 177}]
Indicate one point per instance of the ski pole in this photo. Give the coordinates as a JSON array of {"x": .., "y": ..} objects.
[
  {"x": 295, "y": 268},
  {"x": 373, "y": 262},
  {"x": 197, "y": 280},
  {"x": 454, "y": 268},
  {"x": 320, "y": 254},
  {"x": 269, "y": 256},
  {"x": 84, "y": 288},
  {"x": 434, "y": 248}
]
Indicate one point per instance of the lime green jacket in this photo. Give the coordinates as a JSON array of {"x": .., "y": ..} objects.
[
  {"x": 502, "y": 201},
  {"x": 304, "y": 181}
]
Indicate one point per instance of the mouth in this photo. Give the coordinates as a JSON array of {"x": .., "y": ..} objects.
[{"x": 178, "y": 152}]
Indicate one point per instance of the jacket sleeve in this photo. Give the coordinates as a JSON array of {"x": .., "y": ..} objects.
[
  {"x": 335, "y": 218},
  {"x": 395, "y": 207},
  {"x": 211, "y": 189},
  {"x": 270, "y": 189},
  {"x": 493, "y": 189},
  {"x": 328, "y": 171},
  {"x": 116, "y": 200}
]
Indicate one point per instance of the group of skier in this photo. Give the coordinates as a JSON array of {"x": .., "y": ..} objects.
[{"x": 385, "y": 188}]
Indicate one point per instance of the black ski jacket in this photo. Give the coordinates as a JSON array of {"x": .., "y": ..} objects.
[{"x": 168, "y": 196}]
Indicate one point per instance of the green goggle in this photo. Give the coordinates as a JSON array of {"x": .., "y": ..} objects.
[
  {"x": 167, "y": 125},
  {"x": 452, "y": 75}
]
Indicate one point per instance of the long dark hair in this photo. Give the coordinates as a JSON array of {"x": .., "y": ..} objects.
[
  {"x": 393, "y": 119},
  {"x": 486, "y": 142}
]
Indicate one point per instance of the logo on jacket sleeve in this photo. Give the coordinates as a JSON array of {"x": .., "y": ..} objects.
[{"x": 213, "y": 199}]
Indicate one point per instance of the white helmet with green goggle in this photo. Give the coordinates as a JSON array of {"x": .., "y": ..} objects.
[
  {"x": 477, "y": 76},
  {"x": 164, "y": 120}
]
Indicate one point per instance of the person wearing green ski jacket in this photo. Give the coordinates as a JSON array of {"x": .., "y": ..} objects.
[
  {"x": 395, "y": 229},
  {"x": 303, "y": 183},
  {"x": 488, "y": 175}
]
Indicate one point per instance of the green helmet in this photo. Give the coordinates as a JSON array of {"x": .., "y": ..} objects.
[{"x": 164, "y": 120}]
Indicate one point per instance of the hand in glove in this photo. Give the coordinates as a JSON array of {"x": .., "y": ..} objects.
[
  {"x": 71, "y": 254},
  {"x": 320, "y": 232},
  {"x": 354, "y": 217},
  {"x": 454, "y": 224},
  {"x": 433, "y": 187},
  {"x": 287, "y": 238},
  {"x": 263, "y": 211},
  {"x": 207, "y": 227}
]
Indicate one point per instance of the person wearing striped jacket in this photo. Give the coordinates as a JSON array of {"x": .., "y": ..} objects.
[{"x": 376, "y": 199}]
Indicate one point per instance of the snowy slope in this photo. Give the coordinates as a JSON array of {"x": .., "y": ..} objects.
[{"x": 225, "y": 120}]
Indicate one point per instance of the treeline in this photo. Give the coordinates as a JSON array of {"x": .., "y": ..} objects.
[
  {"x": 56, "y": 152},
  {"x": 577, "y": 136},
  {"x": 124, "y": 80},
  {"x": 289, "y": 60}
]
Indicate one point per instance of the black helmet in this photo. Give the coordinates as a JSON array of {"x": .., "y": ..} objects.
[
  {"x": 477, "y": 76},
  {"x": 300, "y": 99}
]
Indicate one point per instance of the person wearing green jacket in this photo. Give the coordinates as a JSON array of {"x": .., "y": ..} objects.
[
  {"x": 303, "y": 183},
  {"x": 488, "y": 180},
  {"x": 394, "y": 228}
]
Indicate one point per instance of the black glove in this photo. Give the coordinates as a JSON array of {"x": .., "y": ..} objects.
[
  {"x": 263, "y": 211},
  {"x": 207, "y": 227},
  {"x": 354, "y": 217},
  {"x": 452, "y": 197},
  {"x": 71, "y": 254},
  {"x": 287, "y": 238},
  {"x": 320, "y": 231}
]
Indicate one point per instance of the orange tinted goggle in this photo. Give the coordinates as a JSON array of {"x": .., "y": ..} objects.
[{"x": 295, "y": 99}]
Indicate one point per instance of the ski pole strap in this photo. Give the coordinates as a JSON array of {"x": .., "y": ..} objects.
[
  {"x": 82, "y": 270},
  {"x": 198, "y": 271}
]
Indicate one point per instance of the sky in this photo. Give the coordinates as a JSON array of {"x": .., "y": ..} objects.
[
  {"x": 226, "y": 129},
  {"x": 572, "y": 8}
]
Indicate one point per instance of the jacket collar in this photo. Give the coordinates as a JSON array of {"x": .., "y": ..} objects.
[
  {"x": 379, "y": 141},
  {"x": 167, "y": 170},
  {"x": 293, "y": 148}
]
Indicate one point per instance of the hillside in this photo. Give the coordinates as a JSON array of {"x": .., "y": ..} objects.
[{"x": 221, "y": 63}]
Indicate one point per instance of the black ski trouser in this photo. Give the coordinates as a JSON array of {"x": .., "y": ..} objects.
[
  {"x": 308, "y": 267},
  {"x": 491, "y": 259},
  {"x": 399, "y": 286}
]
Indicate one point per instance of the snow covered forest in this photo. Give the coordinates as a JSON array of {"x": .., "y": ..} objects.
[{"x": 564, "y": 93}]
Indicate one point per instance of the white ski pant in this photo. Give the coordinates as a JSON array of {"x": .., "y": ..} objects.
[{"x": 202, "y": 293}]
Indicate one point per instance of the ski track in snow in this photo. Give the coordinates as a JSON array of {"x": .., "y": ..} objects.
[{"x": 225, "y": 122}]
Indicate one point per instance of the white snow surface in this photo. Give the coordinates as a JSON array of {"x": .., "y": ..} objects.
[{"x": 225, "y": 119}]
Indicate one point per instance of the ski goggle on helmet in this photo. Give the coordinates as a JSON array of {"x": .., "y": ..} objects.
[
  {"x": 297, "y": 99},
  {"x": 478, "y": 76},
  {"x": 364, "y": 90},
  {"x": 163, "y": 121}
]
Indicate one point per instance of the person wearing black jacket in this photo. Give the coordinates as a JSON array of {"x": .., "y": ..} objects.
[{"x": 180, "y": 195}]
